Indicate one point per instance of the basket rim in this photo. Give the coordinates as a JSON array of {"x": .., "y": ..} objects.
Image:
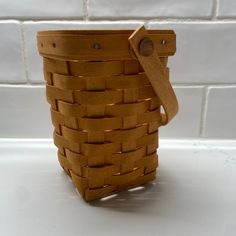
[{"x": 99, "y": 32}]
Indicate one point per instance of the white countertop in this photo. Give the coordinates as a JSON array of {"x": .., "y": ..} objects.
[{"x": 194, "y": 194}]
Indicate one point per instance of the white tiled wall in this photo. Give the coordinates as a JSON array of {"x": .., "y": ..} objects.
[
  {"x": 204, "y": 52},
  {"x": 100, "y": 9},
  {"x": 188, "y": 120},
  {"x": 203, "y": 70},
  {"x": 11, "y": 53},
  {"x": 41, "y": 9},
  {"x": 24, "y": 112},
  {"x": 227, "y": 8},
  {"x": 221, "y": 112}
]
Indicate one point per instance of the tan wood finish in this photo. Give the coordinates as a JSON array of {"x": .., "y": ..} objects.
[
  {"x": 155, "y": 72},
  {"x": 81, "y": 45},
  {"x": 105, "y": 104}
]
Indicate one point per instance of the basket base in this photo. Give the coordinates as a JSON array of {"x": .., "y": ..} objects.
[{"x": 93, "y": 194}]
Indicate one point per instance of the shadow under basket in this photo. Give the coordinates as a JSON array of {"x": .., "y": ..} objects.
[{"x": 106, "y": 88}]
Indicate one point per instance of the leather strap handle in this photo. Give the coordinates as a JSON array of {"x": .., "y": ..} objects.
[{"x": 145, "y": 51}]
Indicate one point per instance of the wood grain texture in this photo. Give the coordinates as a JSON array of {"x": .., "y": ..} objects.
[
  {"x": 105, "y": 112},
  {"x": 155, "y": 72},
  {"x": 113, "y": 44}
]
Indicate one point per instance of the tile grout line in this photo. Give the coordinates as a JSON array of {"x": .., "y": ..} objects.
[
  {"x": 215, "y": 9},
  {"x": 80, "y": 18},
  {"x": 23, "y": 51},
  {"x": 204, "y": 112},
  {"x": 165, "y": 20},
  {"x": 161, "y": 18},
  {"x": 85, "y": 10},
  {"x": 85, "y": 17},
  {"x": 147, "y": 21},
  {"x": 28, "y": 85}
]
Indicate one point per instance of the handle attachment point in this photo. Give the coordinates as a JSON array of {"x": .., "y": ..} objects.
[
  {"x": 146, "y": 47},
  {"x": 148, "y": 57}
]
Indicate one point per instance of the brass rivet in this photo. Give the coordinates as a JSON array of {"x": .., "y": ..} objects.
[
  {"x": 146, "y": 47},
  {"x": 163, "y": 41},
  {"x": 96, "y": 46}
]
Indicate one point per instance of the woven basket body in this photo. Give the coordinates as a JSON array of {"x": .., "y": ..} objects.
[{"x": 105, "y": 112}]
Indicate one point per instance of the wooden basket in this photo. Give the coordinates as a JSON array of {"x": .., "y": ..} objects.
[{"x": 106, "y": 89}]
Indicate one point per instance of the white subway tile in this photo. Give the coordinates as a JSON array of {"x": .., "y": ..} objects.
[
  {"x": 205, "y": 52},
  {"x": 24, "y": 113},
  {"x": 41, "y": 8},
  {"x": 149, "y": 9},
  {"x": 227, "y": 8},
  {"x": 221, "y": 113},
  {"x": 187, "y": 122},
  {"x": 34, "y": 61},
  {"x": 11, "y": 63}
]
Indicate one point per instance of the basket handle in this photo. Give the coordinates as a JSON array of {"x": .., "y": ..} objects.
[{"x": 147, "y": 55}]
